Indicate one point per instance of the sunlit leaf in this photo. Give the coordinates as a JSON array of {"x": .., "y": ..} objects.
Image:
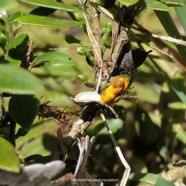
[
  {"x": 19, "y": 42},
  {"x": 114, "y": 125},
  {"x": 150, "y": 178},
  {"x": 128, "y": 2},
  {"x": 12, "y": 17},
  {"x": 181, "y": 136},
  {"x": 64, "y": 71},
  {"x": 52, "y": 4},
  {"x": 48, "y": 21},
  {"x": 174, "y": 4},
  {"x": 18, "y": 81},
  {"x": 9, "y": 160},
  {"x": 154, "y": 4},
  {"x": 56, "y": 59}
]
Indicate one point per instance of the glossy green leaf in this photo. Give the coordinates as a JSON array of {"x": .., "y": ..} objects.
[
  {"x": 19, "y": 42},
  {"x": 174, "y": 4},
  {"x": 64, "y": 71},
  {"x": 48, "y": 21},
  {"x": 14, "y": 16},
  {"x": 12, "y": 60},
  {"x": 55, "y": 59},
  {"x": 150, "y": 178},
  {"x": 53, "y": 5},
  {"x": 9, "y": 160},
  {"x": 23, "y": 109},
  {"x": 128, "y": 2},
  {"x": 154, "y": 4},
  {"x": 18, "y": 81},
  {"x": 114, "y": 125}
]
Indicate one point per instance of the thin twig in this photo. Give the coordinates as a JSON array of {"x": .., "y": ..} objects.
[
  {"x": 95, "y": 44},
  {"x": 96, "y": 49},
  {"x": 159, "y": 42},
  {"x": 104, "y": 11},
  {"x": 28, "y": 54},
  {"x": 170, "y": 39},
  {"x": 118, "y": 150},
  {"x": 159, "y": 50}
]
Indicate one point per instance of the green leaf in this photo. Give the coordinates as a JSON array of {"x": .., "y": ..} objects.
[
  {"x": 154, "y": 4},
  {"x": 18, "y": 81},
  {"x": 138, "y": 165},
  {"x": 9, "y": 160},
  {"x": 11, "y": 58},
  {"x": 14, "y": 16},
  {"x": 169, "y": 25},
  {"x": 19, "y": 42},
  {"x": 181, "y": 13},
  {"x": 128, "y": 2},
  {"x": 147, "y": 93},
  {"x": 181, "y": 136},
  {"x": 174, "y": 4},
  {"x": 63, "y": 71},
  {"x": 150, "y": 178},
  {"x": 175, "y": 88},
  {"x": 6, "y": 4},
  {"x": 35, "y": 141},
  {"x": 48, "y": 21},
  {"x": 23, "y": 109},
  {"x": 181, "y": 95},
  {"x": 114, "y": 125},
  {"x": 56, "y": 59},
  {"x": 53, "y": 5}
]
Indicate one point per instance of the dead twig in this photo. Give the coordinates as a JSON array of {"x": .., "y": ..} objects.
[
  {"x": 84, "y": 148},
  {"x": 118, "y": 150}
]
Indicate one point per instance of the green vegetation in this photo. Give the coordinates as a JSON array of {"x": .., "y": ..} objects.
[{"x": 50, "y": 51}]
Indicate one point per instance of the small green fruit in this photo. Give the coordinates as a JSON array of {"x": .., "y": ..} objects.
[
  {"x": 81, "y": 51},
  {"x": 78, "y": 16}
]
